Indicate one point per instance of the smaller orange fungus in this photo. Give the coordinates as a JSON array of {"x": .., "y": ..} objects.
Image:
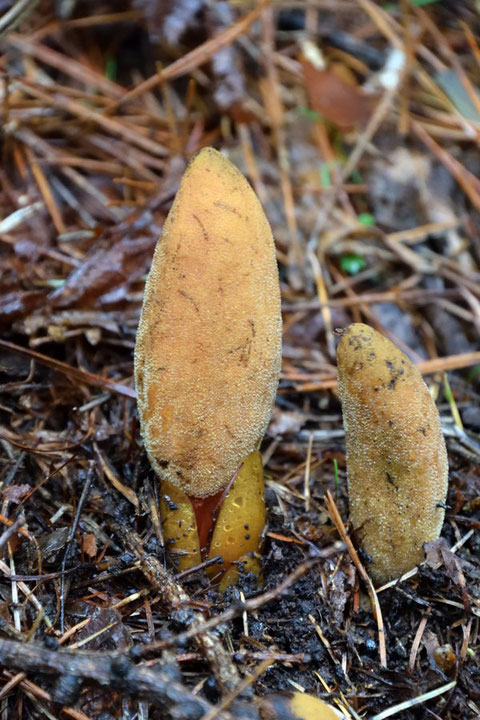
[{"x": 396, "y": 457}]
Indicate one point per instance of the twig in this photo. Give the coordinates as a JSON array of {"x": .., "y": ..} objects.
[
  {"x": 426, "y": 367},
  {"x": 28, "y": 594},
  {"x": 36, "y": 692},
  {"x": 469, "y": 183},
  {"x": 110, "y": 670},
  {"x": 395, "y": 709},
  {"x": 196, "y": 57},
  {"x": 71, "y": 535},
  {"x": 249, "y": 605},
  {"x": 11, "y": 19},
  {"x": 173, "y": 596},
  {"x": 12, "y": 530},
  {"x": 411, "y": 573},
  {"x": 77, "y": 70},
  {"x": 71, "y": 372},
  {"x": 246, "y": 683},
  {"x": 416, "y": 642},
  {"x": 92, "y": 114}
]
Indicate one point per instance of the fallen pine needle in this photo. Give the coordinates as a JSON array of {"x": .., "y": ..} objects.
[
  {"x": 338, "y": 522},
  {"x": 284, "y": 538},
  {"x": 414, "y": 701},
  {"x": 72, "y": 372}
]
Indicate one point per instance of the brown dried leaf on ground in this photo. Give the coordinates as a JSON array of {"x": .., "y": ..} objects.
[
  {"x": 18, "y": 304},
  {"x": 105, "y": 271},
  {"x": 437, "y": 554},
  {"x": 338, "y": 101}
]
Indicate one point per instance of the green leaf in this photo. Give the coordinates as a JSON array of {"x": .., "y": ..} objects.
[
  {"x": 390, "y": 6},
  {"x": 111, "y": 69},
  {"x": 352, "y": 264},
  {"x": 356, "y": 177},
  {"x": 452, "y": 85},
  {"x": 325, "y": 177},
  {"x": 366, "y": 219},
  {"x": 335, "y": 473},
  {"x": 310, "y": 114},
  {"x": 421, "y": 3},
  {"x": 473, "y": 374},
  {"x": 451, "y": 401}
]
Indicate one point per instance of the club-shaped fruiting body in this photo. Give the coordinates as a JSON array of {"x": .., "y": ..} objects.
[
  {"x": 397, "y": 464},
  {"x": 207, "y": 356},
  {"x": 296, "y": 706}
]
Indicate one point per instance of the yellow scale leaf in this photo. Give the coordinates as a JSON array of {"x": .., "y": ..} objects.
[
  {"x": 179, "y": 527},
  {"x": 240, "y": 522}
]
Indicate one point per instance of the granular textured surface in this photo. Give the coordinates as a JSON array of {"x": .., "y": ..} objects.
[
  {"x": 208, "y": 346},
  {"x": 396, "y": 456}
]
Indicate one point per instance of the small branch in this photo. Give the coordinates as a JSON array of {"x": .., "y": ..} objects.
[
  {"x": 15, "y": 527},
  {"x": 248, "y": 605},
  {"x": 195, "y": 57},
  {"x": 72, "y": 372},
  {"x": 15, "y": 15},
  {"x": 174, "y": 596},
  {"x": 114, "y": 671},
  {"x": 71, "y": 535}
]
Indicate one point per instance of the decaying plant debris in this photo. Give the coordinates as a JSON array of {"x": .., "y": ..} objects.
[{"x": 357, "y": 124}]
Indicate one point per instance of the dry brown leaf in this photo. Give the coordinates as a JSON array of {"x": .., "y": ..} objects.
[
  {"x": 334, "y": 98},
  {"x": 89, "y": 545}
]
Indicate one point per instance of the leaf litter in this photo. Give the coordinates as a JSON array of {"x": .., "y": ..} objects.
[{"x": 373, "y": 198}]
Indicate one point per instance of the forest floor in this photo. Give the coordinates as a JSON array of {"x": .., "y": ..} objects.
[{"x": 358, "y": 124}]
